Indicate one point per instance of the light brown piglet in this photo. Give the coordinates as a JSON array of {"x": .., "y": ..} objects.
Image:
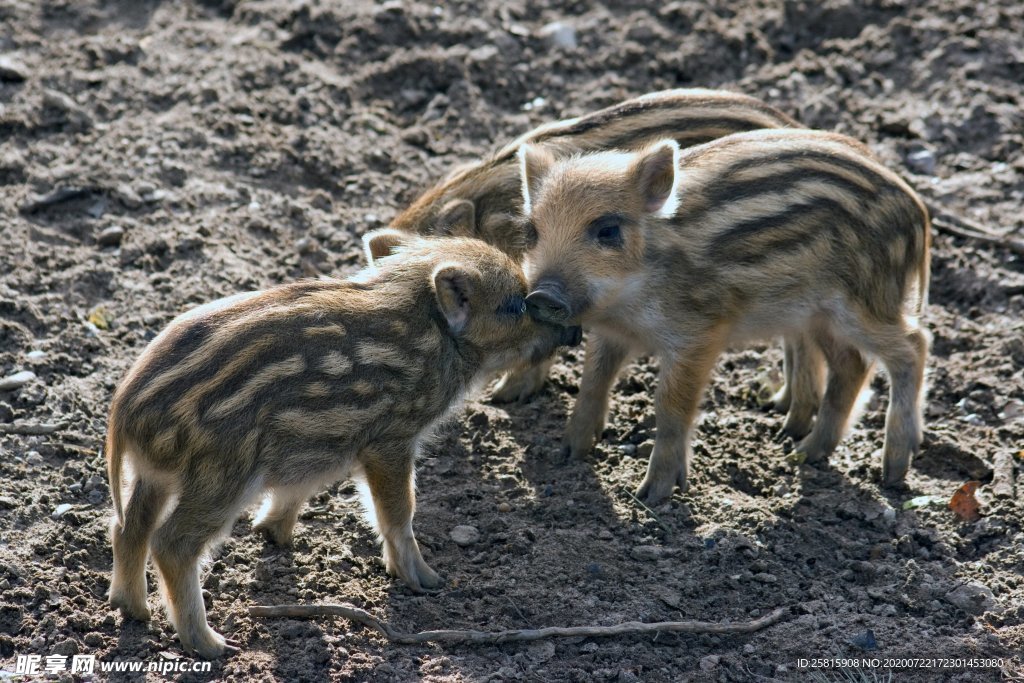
[
  {"x": 680, "y": 254},
  {"x": 285, "y": 390}
]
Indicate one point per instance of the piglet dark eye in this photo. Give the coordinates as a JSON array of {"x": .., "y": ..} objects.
[
  {"x": 514, "y": 306},
  {"x": 607, "y": 231}
]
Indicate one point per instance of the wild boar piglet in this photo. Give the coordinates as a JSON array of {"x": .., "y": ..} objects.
[
  {"x": 282, "y": 391},
  {"x": 483, "y": 199},
  {"x": 680, "y": 254}
]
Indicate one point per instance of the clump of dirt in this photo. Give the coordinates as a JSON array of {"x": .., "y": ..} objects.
[{"x": 158, "y": 155}]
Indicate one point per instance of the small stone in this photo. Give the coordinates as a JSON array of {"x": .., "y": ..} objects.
[
  {"x": 540, "y": 651},
  {"x": 504, "y": 507},
  {"x": 93, "y": 639},
  {"x": 65, "y": 647},
  {"x": 93, "y": 482},
  {"x": 416, "y": 136},
  {"x": 589, "y": 648},
  {"x": 560, "y": 35},
  {"x": 765, "y": 577},
  {"x": 35, "y": 355},
  {"x": 34, "y": 459},
  {"x": 889, "y": 515},
  {"x": 921, "y": 161},
  {"x": 484, "y": 56},
  {"x": 306, "y": 245},
  {"x": 465, "y": 535},
  {"x": 710, "y": 662},
  {"x": 17, "y": 380},
  {"x": 973, "y": 598},
  {"x": 12, "y": 71},
  {"x": 110, "y": 237},
  {"x": 628, "y": 449},
  {"x": 649, "y": 552},
  {"x": 749, "y": 649},
  {"x": 61, "y": 510},
  {"x": 865, "y": 640}
]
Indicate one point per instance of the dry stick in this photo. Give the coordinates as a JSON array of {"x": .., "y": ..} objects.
[
  {"x": 21, "y": 428},
  {"x": 958, "y": 226},
  {"x": 942, "y": 225},
  {"x": 633, "y": 627}
]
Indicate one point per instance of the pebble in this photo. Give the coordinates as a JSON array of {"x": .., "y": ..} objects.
[
  {"x": 94, "y": 481},
  {"x": 110, "y": 237},
  {"x": 17, "y": 380},
  {"x": 35, "y": 355},
  {"x": 973, "y": 598},
  {"x": 306, "y": 245},
  {"x": 749, "y": 649},
  {"x": 93, "y": 639},
  {"x": 921, "y": 161},
  {"x": 557, "y": 34},
  {"x": 12, "y": 71},
  {"x": 61, "y": 510},
  {"x": 504, "y": 507},
  {"x": 765, "y": 577},
  {"x": 649, "y": 552},
  {"x": 710, "y": 662},
  {"x": 465, "y": 535},
  {"x": 865, "y": 640},
  {"x": 33, "y": 458},
  {"x": 65, "y": 647},
  {"x": 627, "y": 449}
]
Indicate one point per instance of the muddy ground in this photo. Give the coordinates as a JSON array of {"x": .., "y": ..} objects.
[{"x": 157, "y": 155}]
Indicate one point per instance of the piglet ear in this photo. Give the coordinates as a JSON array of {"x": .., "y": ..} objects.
[
  {"x": 381, "y": 243},
  {"x": 654, "y": 173},
  {"x": 454, "y": 285},
  {"x": 458, "y": 218},
  {"x": 534, "y": 164}
]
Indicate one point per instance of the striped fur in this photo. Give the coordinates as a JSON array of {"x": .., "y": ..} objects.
[
  {"x": 483, "y": 199},
  {"x": 774, "y": 232},
  {"x": 284, "y": 390},
  {"x": 491, "y": 186}
]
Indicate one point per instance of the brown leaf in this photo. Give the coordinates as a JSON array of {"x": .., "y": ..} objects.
[{"x": 964, "y": 504}]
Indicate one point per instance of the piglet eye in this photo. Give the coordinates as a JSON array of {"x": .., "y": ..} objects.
[
  {"x": 607, "y": 231},
  {"x": 514, "y": 306}
]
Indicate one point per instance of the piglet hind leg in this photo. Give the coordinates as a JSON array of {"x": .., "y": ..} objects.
[
  {"x": 205, "y": 508},
  {"x": 276, "y": 519},
  {"x": 848, "y": 370},
  {"x": 389, "y": 476},
  {"x": 130, "y": 541},
  {"x": 676, "y": 403},
  {"x": 905, "y": 360}
]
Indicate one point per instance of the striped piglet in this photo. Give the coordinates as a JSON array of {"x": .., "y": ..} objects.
[
  {"x": 289, "y": 389},
  {"x": 682, "y": 253}
]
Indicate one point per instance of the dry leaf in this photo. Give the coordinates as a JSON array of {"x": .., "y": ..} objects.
[
  {"x": 964, "y": 504},
  {"x": 100, "y": 317}
]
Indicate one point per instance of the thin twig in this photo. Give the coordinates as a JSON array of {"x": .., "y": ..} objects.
[
  {"x": 455, "y": 636},
  {"x": 644, "y": 506},
  {"x": 23, "y": 428},
  {"x": 958, "y": 226},
  {"x": 943, "y": 225}
]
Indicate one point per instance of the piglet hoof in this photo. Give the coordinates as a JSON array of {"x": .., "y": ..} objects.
[
  {"x": 275, "y": 533},
  {"x": 894, "y": 472},
  {"x": 210, "y": 645},
  {"x": 129, "y": 609}
]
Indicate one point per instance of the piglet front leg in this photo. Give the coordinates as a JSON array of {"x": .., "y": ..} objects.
[{"x": 680, "y": 387}]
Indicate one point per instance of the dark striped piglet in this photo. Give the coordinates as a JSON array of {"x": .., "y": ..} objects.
[
  {"x": 680, "y": 254},
  {"x": 286, "y": 390}
]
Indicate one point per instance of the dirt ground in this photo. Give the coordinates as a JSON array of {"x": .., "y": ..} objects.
[{"x": 154, "y": 156}]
